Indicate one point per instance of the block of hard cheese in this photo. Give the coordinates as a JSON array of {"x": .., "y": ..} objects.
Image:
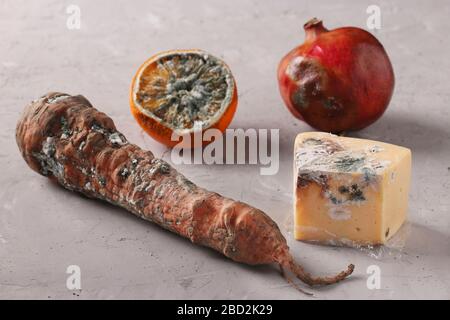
[{"x": 349, "y": 191}]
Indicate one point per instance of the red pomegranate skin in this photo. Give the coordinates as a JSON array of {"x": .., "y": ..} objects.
[{"x": 337, "y": 80}]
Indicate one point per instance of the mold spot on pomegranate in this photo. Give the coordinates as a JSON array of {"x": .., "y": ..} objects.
[
  {"x": 333, "y": 106},
  {"x": 299, "y": 98}
]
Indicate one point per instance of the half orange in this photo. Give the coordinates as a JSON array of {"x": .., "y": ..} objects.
[{"x": 182, "y": 91}]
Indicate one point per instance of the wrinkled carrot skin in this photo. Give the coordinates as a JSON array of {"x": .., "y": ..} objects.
[{"x": 64, "y": 138}]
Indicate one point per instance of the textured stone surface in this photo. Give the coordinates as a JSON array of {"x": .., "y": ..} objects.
[{"x": 44, "y": 229}]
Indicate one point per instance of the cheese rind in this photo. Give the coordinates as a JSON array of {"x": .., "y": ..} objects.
[{"x": 349, "y": 191}]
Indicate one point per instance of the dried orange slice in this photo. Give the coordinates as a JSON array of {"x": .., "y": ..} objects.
[{"x": 181, "y": 91}]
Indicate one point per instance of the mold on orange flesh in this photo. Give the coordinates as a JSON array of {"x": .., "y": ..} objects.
[{"x": 182, "y": 91}]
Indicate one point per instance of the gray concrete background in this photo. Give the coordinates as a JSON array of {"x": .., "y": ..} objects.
[{"x": 43, "y": 228}]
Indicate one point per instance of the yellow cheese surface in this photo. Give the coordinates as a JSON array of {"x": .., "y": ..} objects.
[{"x": 349, "y": 191}]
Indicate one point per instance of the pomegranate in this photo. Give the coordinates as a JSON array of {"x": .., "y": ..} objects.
[{"x": 337, "y": 80}]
